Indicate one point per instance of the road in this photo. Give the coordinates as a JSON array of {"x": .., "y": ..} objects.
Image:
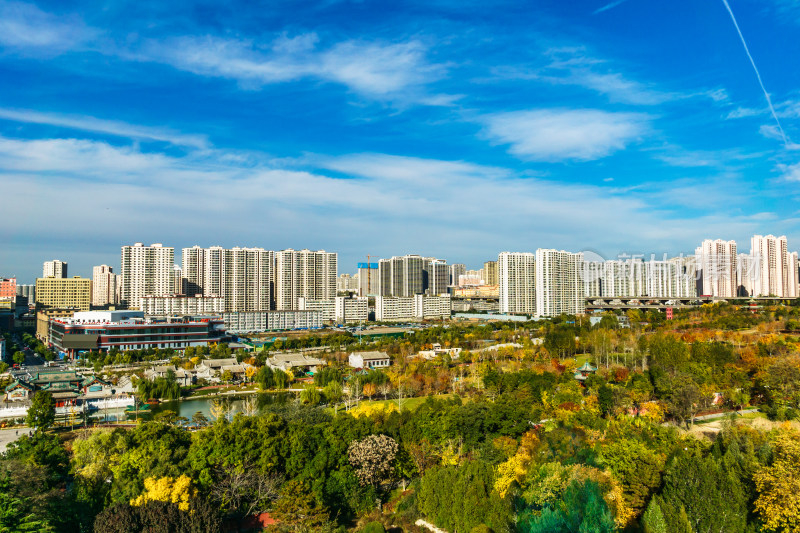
[{"x": 7, "y": 436}]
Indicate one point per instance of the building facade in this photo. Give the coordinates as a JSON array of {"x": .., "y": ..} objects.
[
  {"x": 130, "y": 330},
  {"x": 146, "y": 271},
  {"x": 516, "y": 272},
  {"x": 559, "y": 283},
  {"x": 436, "y": 277},
  {"x": 181, "y": 305},
  {"x": 259, "y": 321},
  {"x": 368, "y": 279},
  {"x": 490, "y": 272},
  {"x": 54, "y": 269},
  {"x": 717, "y": 266},
  {"x": 64, "y": 292},
  {"x": 777, "y": 267},
  {"x": 304, "y": 274},
  {"x": 418, "y": 307},
  {"x": 8, "y": 287},
  {"x": 104, "y": 286}
]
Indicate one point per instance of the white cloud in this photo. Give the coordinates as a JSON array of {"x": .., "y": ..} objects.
[
  {"x": 565, "y": 134},
  {"x": 108, "y": 127},
  {"x": 575, "y": 66},
  {"x": 790, "y": 172},
  {"x": 354, "y": 204},
  {"x": 370, "y": 68},
  {"x": 26, "y": 27}
]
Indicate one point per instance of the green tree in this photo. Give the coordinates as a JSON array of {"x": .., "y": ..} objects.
[
  {"x": 298, "y": 510},
  {"x": 333, "y": 392},
  {"x": 19, "y": 357},
  {"x": 581, "y": 509},
  {"x": 42, "y": 412},
  {"x": 713, "y": 497},
  {"x": 458, "y": 498},
  {"x": 265, "y": 378},
  {"x": 310, "y": 395},
  {"x": 637, "y": 468},
  {"x": 653, "y": 519},
  {"x": 167, "y": 517}
]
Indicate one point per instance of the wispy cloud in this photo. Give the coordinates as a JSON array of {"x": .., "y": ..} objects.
[
  {"x": 102, "y": 126},
  {"x": 758, "y": 74},
  {"x": 565, "y": 134},
  {"x": 390, "y": 201},
  {"x": 790, "y": 172},
  {"x": 25, "y": 27},
  {"x": 375, "y": 69},
  {"x": 573, "y": 65},
  {"x": 610, "y": 5}
]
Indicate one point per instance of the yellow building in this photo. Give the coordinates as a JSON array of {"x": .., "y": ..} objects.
[
  {"x": 64, "y": 292},
  {"x": 43, "y": 320}
]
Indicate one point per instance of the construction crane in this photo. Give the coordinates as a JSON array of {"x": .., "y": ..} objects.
[{"x": 369, "y": 274}]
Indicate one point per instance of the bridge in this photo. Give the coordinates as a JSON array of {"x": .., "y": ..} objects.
[{"x": 602, "y": 303}]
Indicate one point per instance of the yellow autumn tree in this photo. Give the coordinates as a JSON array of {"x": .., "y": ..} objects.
[
  {"x": 778, "y": 486},
  {"x": 516, "y": 467},
  {"x": 371, "y": 409},
  {"x": 166, "y": 489}
]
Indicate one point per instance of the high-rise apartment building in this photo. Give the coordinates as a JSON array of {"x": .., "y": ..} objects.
[
  {"x": 716, "y": 261},
  {"x": 146, "y": 271},
  {"x": 777, "y": 268},
  {"x": 54, "y": 269},
  {"x": 104, "y": 286},
  {"x": 242, "y": 276},
  {"x": 516, "y": 273},
  {"x": 490, "y": 272},
  {"x": 456, "y": 271},
  {"x": 304, "y": 274},
  {"x": 64, "y": 293},
  {"x": 177, "y": 280},
  {"x": 668, "y": 279},
  {"x": 8, "y": 287},
  {"x": 437, "y": 277},
  {"x": 347, "y": 283},
  {"x": 248, "y": 279},
  {"x": 402, "y": 276},
  {"x": 368, "y": 279},
  {"x": 559, "y": 283}
]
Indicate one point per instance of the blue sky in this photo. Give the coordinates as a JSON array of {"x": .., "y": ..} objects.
[{"x": 453, "y": 129}]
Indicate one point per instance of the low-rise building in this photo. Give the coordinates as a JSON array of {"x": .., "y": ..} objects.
[
  {"x": 351, "y": 310},
  {"x": 259, "y": 321},
  {"x": 369, "y": 360},
  {"x": 181, "y": 305},
  {"x": 44, "y": 316},
  {"x": 290, "y": 361},
  {"x": 212, "y": 369},
  {"x": 130, "y": 330},
  {"x": 418, "y": 307},
  {"x": 326, "y": 308},
  {"x": 437, "y": 350},
  {"x": 182, "y": 377}
]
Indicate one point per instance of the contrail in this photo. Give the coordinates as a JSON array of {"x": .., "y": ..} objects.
[
  {"x": 609, "y": 6},
  {"x": 758, "y": 75}
]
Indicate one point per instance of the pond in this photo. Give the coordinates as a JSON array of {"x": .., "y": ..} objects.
[{"x": 187, "y": 408}]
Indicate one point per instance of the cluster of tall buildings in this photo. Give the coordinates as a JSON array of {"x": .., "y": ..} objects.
[
  {"x": 302, "y": 287},
  {"x": 768, "y": 270},
  {"x": 546, "y": 283},
  {"x": 247, "y": 279}
]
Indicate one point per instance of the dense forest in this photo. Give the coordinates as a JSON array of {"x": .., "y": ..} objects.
[{"x": 497, "y": 440}]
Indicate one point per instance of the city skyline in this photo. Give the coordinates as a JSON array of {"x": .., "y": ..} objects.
[
  {"x": 591, "y": 255},
  {"x": 420, "y": 127}
]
